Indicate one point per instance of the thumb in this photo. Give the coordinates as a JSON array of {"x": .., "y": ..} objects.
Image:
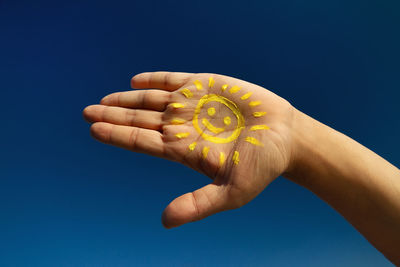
[{"x": 196, "y": 205}]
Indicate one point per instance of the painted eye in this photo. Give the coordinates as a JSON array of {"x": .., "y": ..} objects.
[
  {"x": 227, "y": 120},
  {"x": 211, "y": 111}
]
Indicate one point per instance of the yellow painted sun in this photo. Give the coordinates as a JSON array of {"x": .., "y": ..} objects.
[{"x": 209, "y": 131}]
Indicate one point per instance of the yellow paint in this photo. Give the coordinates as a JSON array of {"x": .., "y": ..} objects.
[
  {"x": 198, "y": 85},
  {"x": 211, "y": 127},
  {"x": 187, "y": 93},
  {"x": 229, "y": 104},
  {"x": 205, "y": 151},
  {"x": 234, "y": 89},
  {"x": 259, "y": 127},
  {"x": 253, "y": 141},
  {"x": 227, "y": 120},
  {"x": 258, "y": 114},
  {"x": 223, "y": 88},
  {"x": 211, "y": 111},
  {"x": 177, "y": 121},
  {"x": 254, "y": 103},
  {"x": 178, "y": 105},
  {"x": 211, "y": 82},
  {"x": 246, "y": 96},
  {"x": 221, "y": 158},
  {"x": 235, "y": 157},
  {"x": 182, "y": 135},
  {"x": 192, "y": 146}
]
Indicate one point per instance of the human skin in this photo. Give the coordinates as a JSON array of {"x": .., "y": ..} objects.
[{"x": 355, "y": 181}]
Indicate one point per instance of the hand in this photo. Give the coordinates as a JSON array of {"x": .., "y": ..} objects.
[{"x": 235, "y": 132}]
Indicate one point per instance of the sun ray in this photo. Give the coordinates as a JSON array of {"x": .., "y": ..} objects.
[
  {"x": 245, "y": 96},
  {"x": 234, "y": 89},
  {"x": 177, "y": 121},
  {"x": 254, "y": 103},
  {"x": 223, "y": 88},
  {"x": 253, "y": 141},
  {"x": 211, "y": 82},
  {"x": 222, "y": 158},
  {"x": 198, "y": 84},
  {"x": 192, "y": 146},
  {"x": 258, "y": 114},
  {"x": 178, "y": 105},
  {"x": 182, "y": 135},
  {"x": 259, "y": 127},
  {"x": 187, "y": 93},
  {"x": 235, "y": 157},
  {"x": 205, "y": 151}
]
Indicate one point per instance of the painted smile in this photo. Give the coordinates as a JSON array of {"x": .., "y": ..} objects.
[{"x": 211, "y": 127}]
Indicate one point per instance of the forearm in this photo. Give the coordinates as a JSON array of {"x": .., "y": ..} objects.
[{"x": 355, "y": 181}]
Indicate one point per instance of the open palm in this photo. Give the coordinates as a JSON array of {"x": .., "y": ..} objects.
[{"x": 235, "y": 132}]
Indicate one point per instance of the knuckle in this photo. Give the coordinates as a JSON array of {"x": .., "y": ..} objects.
[
  {"x": 237, "y": 196},
  {"x": 130, "y": 117},
  {"x": 133, "y": 138},
  {"x": 167, "y": 80},
  {"x": 144, "y": 99}
]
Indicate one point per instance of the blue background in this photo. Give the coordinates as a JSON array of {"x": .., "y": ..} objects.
[{"x": 67, "y": 200}]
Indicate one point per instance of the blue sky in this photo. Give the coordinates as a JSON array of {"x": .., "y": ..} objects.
[{"x": 66, "y": 200}]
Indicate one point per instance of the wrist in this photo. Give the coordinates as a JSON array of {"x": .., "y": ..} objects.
[{"x": 304, "y": 147}]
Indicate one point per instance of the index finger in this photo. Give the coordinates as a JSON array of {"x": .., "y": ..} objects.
[{"x": 164, "y": 80}]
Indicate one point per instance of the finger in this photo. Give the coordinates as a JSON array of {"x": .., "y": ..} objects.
[
  {"x": 196, "y": 205},
  {"x": 147, "y": 99},
  {"x": 169, "y": 81},
  {"x": 122, "y": 116},
  {"x": 131, "y": 138}
]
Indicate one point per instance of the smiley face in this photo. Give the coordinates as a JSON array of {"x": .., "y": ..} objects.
[
  {"x": 208, "y": 131},
  {"x": 218, "y": 99},
  {"x": 210, "y": 126}
]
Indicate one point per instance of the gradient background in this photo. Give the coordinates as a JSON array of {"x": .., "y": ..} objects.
[{"x": 67, "y": 200}]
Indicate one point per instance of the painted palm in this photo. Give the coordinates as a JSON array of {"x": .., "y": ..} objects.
[{"x": 235, "y": 132}]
